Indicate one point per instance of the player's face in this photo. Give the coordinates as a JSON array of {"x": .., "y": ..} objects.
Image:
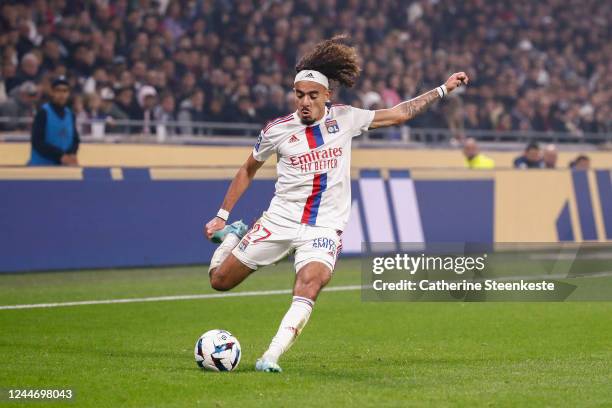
[
  {"x": 60, "y": 94},
  {"x": 310, "y": 98}
]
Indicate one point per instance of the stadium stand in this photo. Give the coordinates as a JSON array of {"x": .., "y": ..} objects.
[{"x": 534, "y": 66}]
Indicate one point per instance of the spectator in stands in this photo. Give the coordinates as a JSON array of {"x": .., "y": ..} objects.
[
  {"x": 582, "y": 162},
  {"x": 549, "y": 156},
  {"x": 55, "y": 139},
  {"x": 273, "y": 104},
  {"x": 19, "y": 106},
  {"x": 28, "y": 69},
  {"x": 80, "y": 114},
  {"x": 530, "y": 159},
  {"x": 9, "y": 77},
  {"x": 543, "y": 120},
  {"x": 164, "y": 113},
  {"x": 522, "y": 115},
  {"x": 246, "y": 111},
  {"x": 471, "y": 119},
  {"x": 147, "y": 100},
  {"x": 52, "y": 54},
  {"x": 107, "y": 97},
  {"x": 119, "y": 110},
  {"x": 537, "y": 65},
  {"x": 504, "y": 123},
  {"x": 124, "y": 102},
  {"x": 473, "y": 158},
  {"x": 93, "y": 103},
  {"x": 192, "y": 110},
  {"x": 217, "y": 110}
]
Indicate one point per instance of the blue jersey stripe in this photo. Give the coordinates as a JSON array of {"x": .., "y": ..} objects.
[
  {"x": 317, "y": 199},
  {"x": 318, "y": 135}
]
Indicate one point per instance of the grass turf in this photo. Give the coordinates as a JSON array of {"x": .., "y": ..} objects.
[{"x": 351, "y": 353}]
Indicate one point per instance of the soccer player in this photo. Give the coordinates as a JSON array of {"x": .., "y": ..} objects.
[{"x": 312, "y": 201}]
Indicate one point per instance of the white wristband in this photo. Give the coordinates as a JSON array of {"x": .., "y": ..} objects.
[
  {"x": 223, "y": 214},
  {"x": 442, "y": 91}
]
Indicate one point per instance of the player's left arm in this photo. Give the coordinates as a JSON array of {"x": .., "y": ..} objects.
[{"x": 409, "y": 109}]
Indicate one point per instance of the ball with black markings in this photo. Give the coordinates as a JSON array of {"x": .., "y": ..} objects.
[{"x": 217, "y": 350}]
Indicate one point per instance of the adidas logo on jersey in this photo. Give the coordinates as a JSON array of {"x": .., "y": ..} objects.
[{"x": 293, "y": 139}]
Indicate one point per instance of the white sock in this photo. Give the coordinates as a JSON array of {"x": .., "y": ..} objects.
[
  {"x": 225, "y": 248},
  {"x": 292, "y": 324}
]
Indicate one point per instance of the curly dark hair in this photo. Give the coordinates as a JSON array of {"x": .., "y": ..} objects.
[{"x": 335, "y": 59}]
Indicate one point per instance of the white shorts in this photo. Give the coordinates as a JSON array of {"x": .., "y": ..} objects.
[{"x": 272, "y": 238}]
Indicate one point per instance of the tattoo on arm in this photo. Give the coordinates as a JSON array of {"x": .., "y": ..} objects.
[
  {"x": 418, "y": 105},
  {"x": 404, "y": 111}
]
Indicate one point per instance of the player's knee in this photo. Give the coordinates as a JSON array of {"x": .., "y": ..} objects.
[
  {"x": 218, "y": 280},
  {"x": 219, "y": 284},
  {"x": 309, "y": 290},
  {"x": 309, "y": 285}
]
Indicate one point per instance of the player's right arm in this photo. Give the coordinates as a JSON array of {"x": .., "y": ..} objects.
[
  {"x": 407, "y": 110},
  {"x": 239, "y": 184}
]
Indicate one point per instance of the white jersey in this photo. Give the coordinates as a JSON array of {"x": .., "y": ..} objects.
[{"x": 314, "y": 165}]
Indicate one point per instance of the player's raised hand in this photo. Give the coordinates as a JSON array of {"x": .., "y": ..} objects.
[
  {"x": 213, "y": 226},
  {"x": 456, "y": 80}
]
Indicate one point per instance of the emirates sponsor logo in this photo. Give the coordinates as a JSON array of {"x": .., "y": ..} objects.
[{"x": 317, "y": 160}]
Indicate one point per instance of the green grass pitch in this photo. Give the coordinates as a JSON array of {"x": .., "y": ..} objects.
[{"x": 352, "y": 353}]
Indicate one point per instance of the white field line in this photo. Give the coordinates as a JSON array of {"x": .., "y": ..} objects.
[
  {"x": 265, "y": 292},
  {"x": 170, "y": 298}
]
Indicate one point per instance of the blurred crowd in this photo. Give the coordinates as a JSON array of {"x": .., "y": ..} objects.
[{"x": 542, "y": 66}]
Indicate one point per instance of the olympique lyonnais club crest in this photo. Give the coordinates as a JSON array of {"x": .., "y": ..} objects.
[{"x": 332, "y": 126}]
